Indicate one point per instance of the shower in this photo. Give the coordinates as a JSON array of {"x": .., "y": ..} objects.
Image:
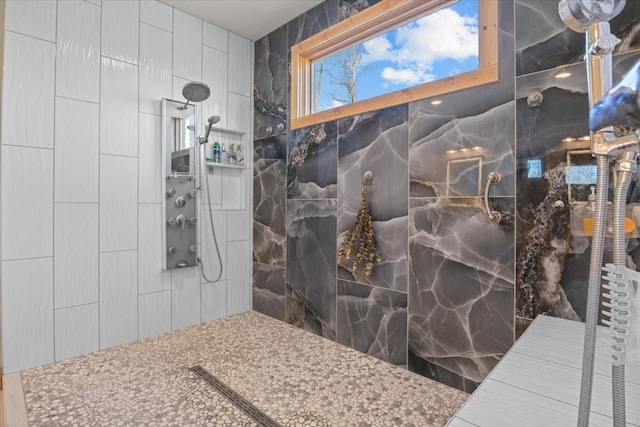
[
  {"x": 609, "y": 106},
  {"x": 198, "y": 92}
]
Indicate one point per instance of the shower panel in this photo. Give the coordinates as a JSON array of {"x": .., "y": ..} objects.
[{"x": 179, "y": 186}]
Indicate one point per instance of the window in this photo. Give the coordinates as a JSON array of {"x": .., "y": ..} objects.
[{"x": 385, "y": 56}]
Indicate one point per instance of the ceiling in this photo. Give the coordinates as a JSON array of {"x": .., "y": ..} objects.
[{"x": 252, "y": 19}]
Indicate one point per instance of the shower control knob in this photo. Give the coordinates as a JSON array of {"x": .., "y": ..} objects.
[
  {"x": 192, "y": 248},
  {"x": 171, "y": 221},
  {"x": 180, "y": 201},
  {"x": 172, "y": 250},
  {"x": 171, "y": 192},
  {"x": 192, "y": 220},
  {"x": 193, "y": 193}
]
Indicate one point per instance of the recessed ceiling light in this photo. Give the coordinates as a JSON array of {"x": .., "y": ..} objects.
[
  {"x": 477, "y": 148},
  {"x": 586, "y": 138},
  {"x": 568, "y": 139},
  {"x": 450, "y": 151},
  {"x": 462, "y": 150},
  {"x": 562, "y": 75},
  {"x": 436, "y": 102}
]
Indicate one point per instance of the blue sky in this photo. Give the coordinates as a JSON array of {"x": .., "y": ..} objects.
[{"x": 438, "y": 45}]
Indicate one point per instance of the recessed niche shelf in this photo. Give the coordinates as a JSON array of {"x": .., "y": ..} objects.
[
  {"x": 224, "y": 130},
  {"x": 224, "y": 165}
]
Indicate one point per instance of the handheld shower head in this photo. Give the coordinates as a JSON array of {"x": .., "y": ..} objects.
[
  {"x": 620, "y": 105},
  {"x": 212, "y": 121}
]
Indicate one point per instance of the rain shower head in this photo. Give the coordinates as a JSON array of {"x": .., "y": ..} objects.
[
  {"x": 620, "y": 105},
  {"x": 194, "y": 92}
]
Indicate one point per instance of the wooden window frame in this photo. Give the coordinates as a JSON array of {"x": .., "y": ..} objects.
[{"x": 375, "y": 20}]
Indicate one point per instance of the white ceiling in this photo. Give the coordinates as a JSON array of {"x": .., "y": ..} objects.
[{"x": 252, "y": 19}]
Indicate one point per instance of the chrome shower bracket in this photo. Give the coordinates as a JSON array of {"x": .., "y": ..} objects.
[{"x": 605, "y": 143}]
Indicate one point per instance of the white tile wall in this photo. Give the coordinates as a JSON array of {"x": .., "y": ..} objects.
[
  {"x": 76, "y": 254},
  {"x": 187, "y": 46},
  {"x": 76, "y": 331},
  {"x": 28, "y": 97},
  {"x": 215, "y": 37},
  {"x": 185, "y": 299},
  {"x": 157, "y": 14},
  {"x": 208, "y": 252},
  {"x": 239, "y": 111},
  {"x": 150, "y": 161},
  {"x": 118, "y": 203},
  {"x": 31, "y": 18},
  {"x": 240, "y": 53},
  {"x": 214, "y": 300},
  {"x": 151, "y": 277},
  {"x": 78, "y": 51},
  {"x": 120, "y": 29},
  {"x": 236, "y": 225},
  {"x": 154, "y": 314},
  {"x": 238, "y": 277},
  {"x": 102, "y": 271},
  {"x": 118, "y": 108},
  {"x": 26, "y": 208},
  {"x": 214, "y": 74},
  {"x": 233, "y": 188},
  {"x": 27, "y": 310},
  {"x": 77, "y": 144},
  {"x": 118, "y": 298},
  {"x": 155, "y": 67}
]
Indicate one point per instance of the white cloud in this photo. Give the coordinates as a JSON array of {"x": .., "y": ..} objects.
[
  {"x": 441, "y": 35},
  {"x": 405, "y": 76},
  {"x": 335, "y": 103}
]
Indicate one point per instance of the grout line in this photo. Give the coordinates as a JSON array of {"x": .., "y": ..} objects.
[
  {"x": 53, "y": 196},
  {"x": 34, "y": 37}
]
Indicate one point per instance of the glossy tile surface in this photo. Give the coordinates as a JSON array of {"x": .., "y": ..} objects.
[
  {"x": 78, "y": 51},
  {"x": 120, "y": 30},
  {"x": 76, "y": 331},
  {"x": 36, "y": 19},
  {"x": 118, "y": 298},
  {"x": 154, "y": 314},
  {"x": 239, "y": 268},
  {"x": 155, "y": 68},
  {"x": 213, "y": 300},
  {"x": 240, "y": 59},
  {"x": 151, "y": 277},
  {"x": 27, "y": 303},
  {"x": 77, "y": 146},
  {"x": 75, "y": 254},
  {"x": 118, "y": 108},
  {"x": 150, "y": 172},
  {"x": 118, "y": 203},
  {"x": 28, "y": 91},
  {"x": 351, "y": 389},
  {"x": 185, "y": 297},
  {"x": 187, "y": 46},
  {"x": 215, "y": 75},
  {"x": 27, "y": 222},
  {"x": 215, "y": 37},
  {"x": 157, "y": 14}
]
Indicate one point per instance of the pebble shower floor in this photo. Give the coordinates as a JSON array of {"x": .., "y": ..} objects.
[{"x": 293, "y": 376}]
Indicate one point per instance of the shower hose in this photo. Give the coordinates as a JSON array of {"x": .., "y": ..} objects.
[{"x": 203, "y": 165}]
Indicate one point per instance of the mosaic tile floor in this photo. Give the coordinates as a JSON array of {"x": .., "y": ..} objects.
[{"x": 296, "y": 378}]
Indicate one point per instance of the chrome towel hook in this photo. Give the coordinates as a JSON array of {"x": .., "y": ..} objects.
[{"x": 492, "y": 178}]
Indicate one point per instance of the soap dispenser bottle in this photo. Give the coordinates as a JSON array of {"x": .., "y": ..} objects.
[{"x": 588, "y": 212}]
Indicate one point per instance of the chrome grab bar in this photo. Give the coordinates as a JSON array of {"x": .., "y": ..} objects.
[{"x": 492, "y": 178}]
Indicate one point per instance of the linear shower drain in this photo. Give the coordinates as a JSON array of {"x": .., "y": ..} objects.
[{"x": 243, "y": 404}]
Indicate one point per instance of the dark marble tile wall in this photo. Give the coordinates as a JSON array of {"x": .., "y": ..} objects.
[
  {"x": 461, "y": 288},
  {"x": 376, "y": 142},
  {"x": 430, "y": 164},
  {"x": 311, "y": 166},
  {"x": 373, "y": 320},
  {"x": 544, "y": 42},
  {"x": 553, "y": 258},
  {"x": 269, "y": 290},
  {"x": 271, "y": 84},
  {"x": 311, "y": 266}
]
